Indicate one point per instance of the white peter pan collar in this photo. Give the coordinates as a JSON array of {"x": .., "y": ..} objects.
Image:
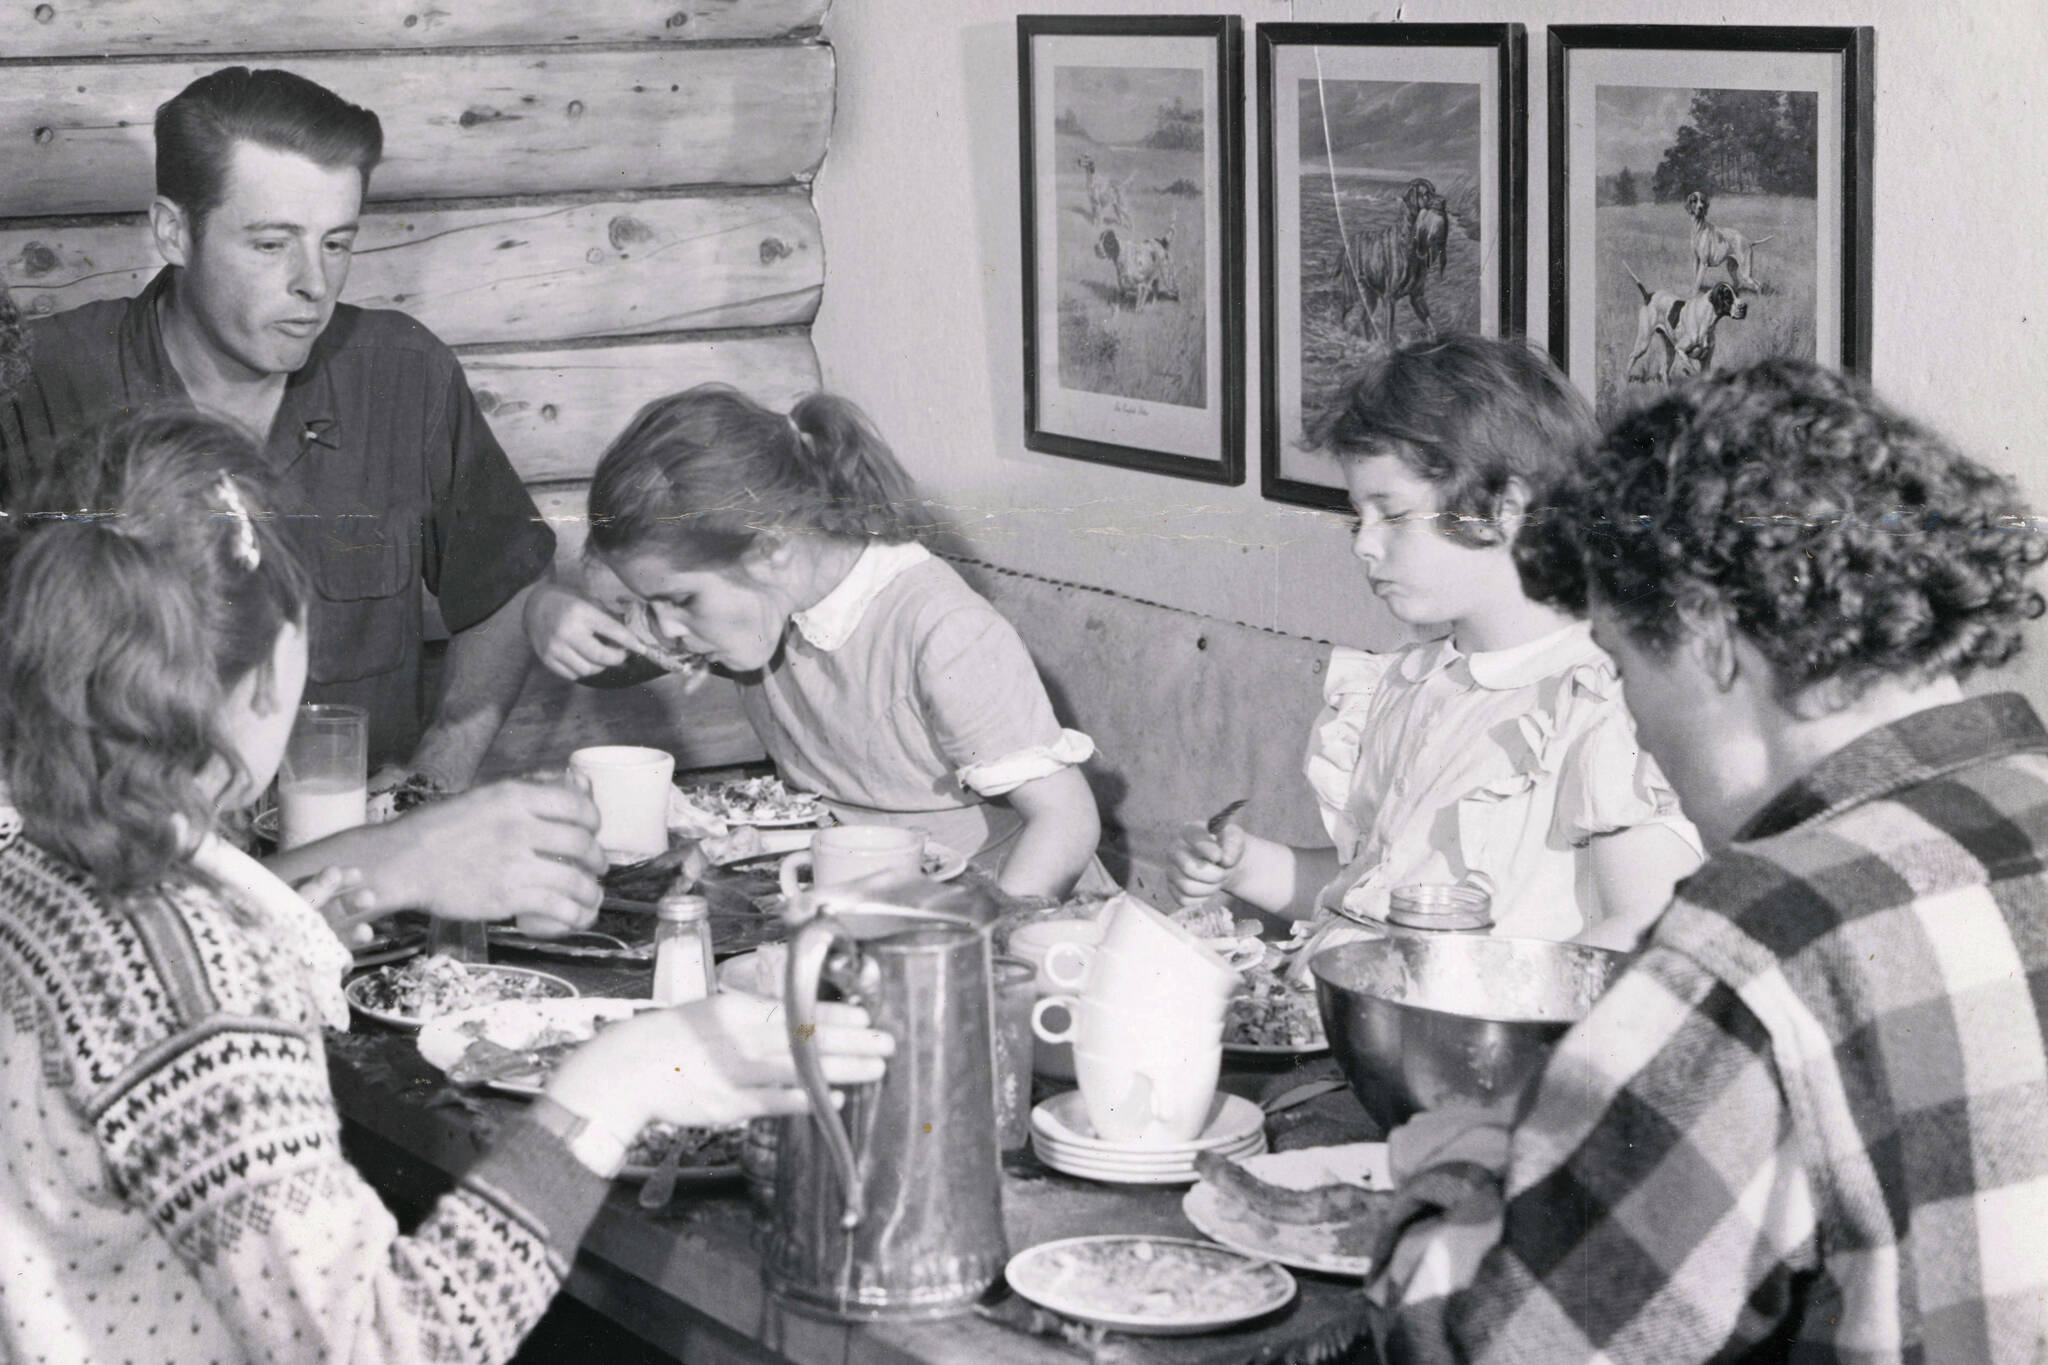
[
  {"x": 1503, "y": 670},
  {"x": 830, "y": 621}
]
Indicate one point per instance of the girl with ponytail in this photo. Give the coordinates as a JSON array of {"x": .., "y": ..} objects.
[
  {"x": 167, "y": 1130},
  {"x": 783, "y": 549}
]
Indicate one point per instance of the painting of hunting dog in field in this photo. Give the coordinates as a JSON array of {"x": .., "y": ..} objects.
[
  {"x": 1706, "y": 233},
  {"x": 1133, "y": 217},
  {"x": 1710, "y": 197}
]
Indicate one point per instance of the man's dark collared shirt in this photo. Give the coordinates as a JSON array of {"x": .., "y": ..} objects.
[{"x": 388, "y": 476}]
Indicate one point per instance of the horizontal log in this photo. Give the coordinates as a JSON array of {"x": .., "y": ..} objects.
[
  {"x": 555, "y": 411},
  {"x": 76, "y": 137},
  {"x": 75, "y": 28},
  {"x": 535, "y": 272}
]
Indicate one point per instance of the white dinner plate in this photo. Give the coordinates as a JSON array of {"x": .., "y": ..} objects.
[
  {"x": 1076, "y": 1277},
  {"x": 1080, "y": 1165},
  {"x": 555, "y": 987},
  {"x": 742, "y": 972},
  {"x": 515, "y": 1024},
  {"x": 1329, "y": 1248},
  {"x": 1231, "y": 1049}
]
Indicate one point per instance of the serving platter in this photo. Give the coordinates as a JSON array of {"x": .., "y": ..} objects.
[
  {"x": 358, "y": 990},
  {"x": 1156, "y": 1286},
  {"x": 1326, "y": 1248}
]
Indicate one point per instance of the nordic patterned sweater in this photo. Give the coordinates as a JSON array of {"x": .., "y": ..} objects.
[{"x": 172, "y": 1188}]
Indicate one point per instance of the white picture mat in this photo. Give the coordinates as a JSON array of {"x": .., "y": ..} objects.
[
  {"x": 1586, "y": 69},
  {"x": 1150, "y": 425}
]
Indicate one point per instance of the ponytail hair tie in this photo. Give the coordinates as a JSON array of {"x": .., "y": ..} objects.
[{"x": 246, "y": 552}]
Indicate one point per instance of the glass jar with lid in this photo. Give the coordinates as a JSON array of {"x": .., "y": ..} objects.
[
  {"x": 1440, "y": 906},
  {"x": 682, "y": 949}
]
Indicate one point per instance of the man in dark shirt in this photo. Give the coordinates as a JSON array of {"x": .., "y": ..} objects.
[{"x": 387, "y": 471}]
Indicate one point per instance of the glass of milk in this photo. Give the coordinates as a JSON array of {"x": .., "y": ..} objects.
[{"x": 323, "y": 783}]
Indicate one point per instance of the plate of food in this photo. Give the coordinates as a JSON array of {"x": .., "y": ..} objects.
[
  {"x": 708, "y": 1155},
  {"x": 1314, "y": 1208},
  {"x": 402, "y": 936},
  {"x": 760, "y": 801},
  {"x": 615, "y": 936},
  {"x": 515, "y": 1045},
  {"x": 1272, "y": 1017},
  {"x": 408, "y": 994},
  {"x": 1158, "y": 1286}
]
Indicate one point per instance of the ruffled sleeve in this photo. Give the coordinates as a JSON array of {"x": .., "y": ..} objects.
[
  {"x": 1607, "y": 781},
  {"x": 1350, "y": 684},
  {"x": 999, "y": 776}
]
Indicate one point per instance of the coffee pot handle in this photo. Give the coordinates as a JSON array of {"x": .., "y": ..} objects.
[{"x": 807, "y": 953}]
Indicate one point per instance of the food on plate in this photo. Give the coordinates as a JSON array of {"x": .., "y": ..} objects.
[
  {"x": 1139, "y": 1277},
  {"x": 754, "y": 800},
  {"x": 429, "y": 986},
  {"x": 412, "y": 793},
  {"x": 652, "y": 878},
  {"x": 702, "y": 1147},
  {"x": 1271, "y": 1011},
  {"x": 484, "y": 1061},
  {"x": 1333, "y": 1203}
]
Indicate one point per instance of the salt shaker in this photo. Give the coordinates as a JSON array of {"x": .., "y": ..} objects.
[{"x": 682, "y": 949}]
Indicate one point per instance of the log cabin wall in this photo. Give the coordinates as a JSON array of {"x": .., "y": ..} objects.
[{"x": 593, "y": 204}]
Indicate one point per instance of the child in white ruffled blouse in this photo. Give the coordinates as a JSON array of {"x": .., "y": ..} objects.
[
  {"x": 166, "y": 1127},
  {"x": 1500, "y": 756}
]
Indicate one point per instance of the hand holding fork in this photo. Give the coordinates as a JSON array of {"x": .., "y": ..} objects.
[{"x": 1205, "y": 855}]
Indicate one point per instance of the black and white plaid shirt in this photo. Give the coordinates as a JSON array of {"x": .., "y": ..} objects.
[{"x": 1812, "y": 1120}]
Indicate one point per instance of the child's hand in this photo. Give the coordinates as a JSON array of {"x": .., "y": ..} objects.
[
  {"x": 1203, "y": 863},
  {"x": 347, "y": 905},
  {"x": 572, "y": 635}
]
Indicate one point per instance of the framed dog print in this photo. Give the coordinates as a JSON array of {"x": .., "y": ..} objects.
[
  {"x": 1709, "y": 202},
  {"x": 1391, "y": 168},
  {"x": 1133, "y": 192}
]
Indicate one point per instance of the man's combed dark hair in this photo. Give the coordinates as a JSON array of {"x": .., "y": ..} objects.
[
  {"x": 1469, "y": 414},
  {"x": 197, "y": 129},
  {"x": 1845, "y": 541}
]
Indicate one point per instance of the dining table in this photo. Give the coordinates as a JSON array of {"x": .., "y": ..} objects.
[{"x": 686, "y": 1278}]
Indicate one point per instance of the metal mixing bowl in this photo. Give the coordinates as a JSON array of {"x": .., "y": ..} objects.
[{"x": 1429, "y": 1020}]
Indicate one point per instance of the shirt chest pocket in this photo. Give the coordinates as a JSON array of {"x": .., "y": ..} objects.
[{"x": 363, "y": 570}]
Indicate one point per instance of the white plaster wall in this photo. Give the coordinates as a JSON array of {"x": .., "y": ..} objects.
[{"x": 922, "y": 318}]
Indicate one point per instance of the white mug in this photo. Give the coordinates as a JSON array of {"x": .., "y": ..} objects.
[
  {"x": 630, "y": 786},
  {"x": 1149, "y": 1096},
  {"x": 845, "y": 853}
]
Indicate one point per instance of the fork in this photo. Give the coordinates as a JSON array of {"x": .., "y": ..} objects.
[{"x": 1221, "y": 818}]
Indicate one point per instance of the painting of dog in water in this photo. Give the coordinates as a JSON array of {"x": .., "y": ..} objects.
[
  {"x": 1709, "y": 202},
  {"x": 1133, "y": 240}
]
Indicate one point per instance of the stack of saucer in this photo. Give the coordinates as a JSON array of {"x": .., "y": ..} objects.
[{"x": 1063, "y": 1139}]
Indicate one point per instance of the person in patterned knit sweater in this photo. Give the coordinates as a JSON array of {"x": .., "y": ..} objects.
[{"x": 172, "y": 1186}]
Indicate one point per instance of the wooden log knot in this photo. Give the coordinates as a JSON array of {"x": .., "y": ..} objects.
[
  {"x": 45, "y": 13},
  {"x": 483, "y": 113},
  {"x": 773, "y": 249},
  {"x": 37, "y": 259},
  {"x": 625, "y": 230}
]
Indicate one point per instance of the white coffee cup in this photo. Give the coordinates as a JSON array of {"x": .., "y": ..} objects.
[
  {"x": 630, "y": 786},
  {"x": 1149, "y": 1095},
  {"x": 1031, "y": 942},
  {"x": 845, "y": 853}
]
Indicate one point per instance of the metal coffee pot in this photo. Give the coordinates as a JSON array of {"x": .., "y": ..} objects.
[{"x": 890, "y": 1206}]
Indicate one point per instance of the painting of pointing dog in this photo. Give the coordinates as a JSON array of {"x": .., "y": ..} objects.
[{"x": 1706, "y": 233}]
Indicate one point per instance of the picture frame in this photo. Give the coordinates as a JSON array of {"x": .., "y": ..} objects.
[
  {"x": 1130, "y": 137},
  {"x": 1726, "y": 213},
  {"x": 1392, "y": 168}
]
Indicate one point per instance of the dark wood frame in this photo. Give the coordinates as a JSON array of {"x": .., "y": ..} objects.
[
  {"x": 1228, "y": 297},
  {"x": 1511, "y": 176},
  {"x": 1856, "y": 49}
]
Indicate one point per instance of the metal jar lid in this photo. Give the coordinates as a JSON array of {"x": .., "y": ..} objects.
[
  {"x": 682, "y": 906},
  {"x": 1438, "y": 905}
]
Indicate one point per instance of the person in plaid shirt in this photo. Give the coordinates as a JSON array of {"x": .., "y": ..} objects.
[{"x": 1811, "y": 1120}]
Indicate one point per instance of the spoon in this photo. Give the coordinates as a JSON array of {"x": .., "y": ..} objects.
[{"x": 661, "y": 1186}]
